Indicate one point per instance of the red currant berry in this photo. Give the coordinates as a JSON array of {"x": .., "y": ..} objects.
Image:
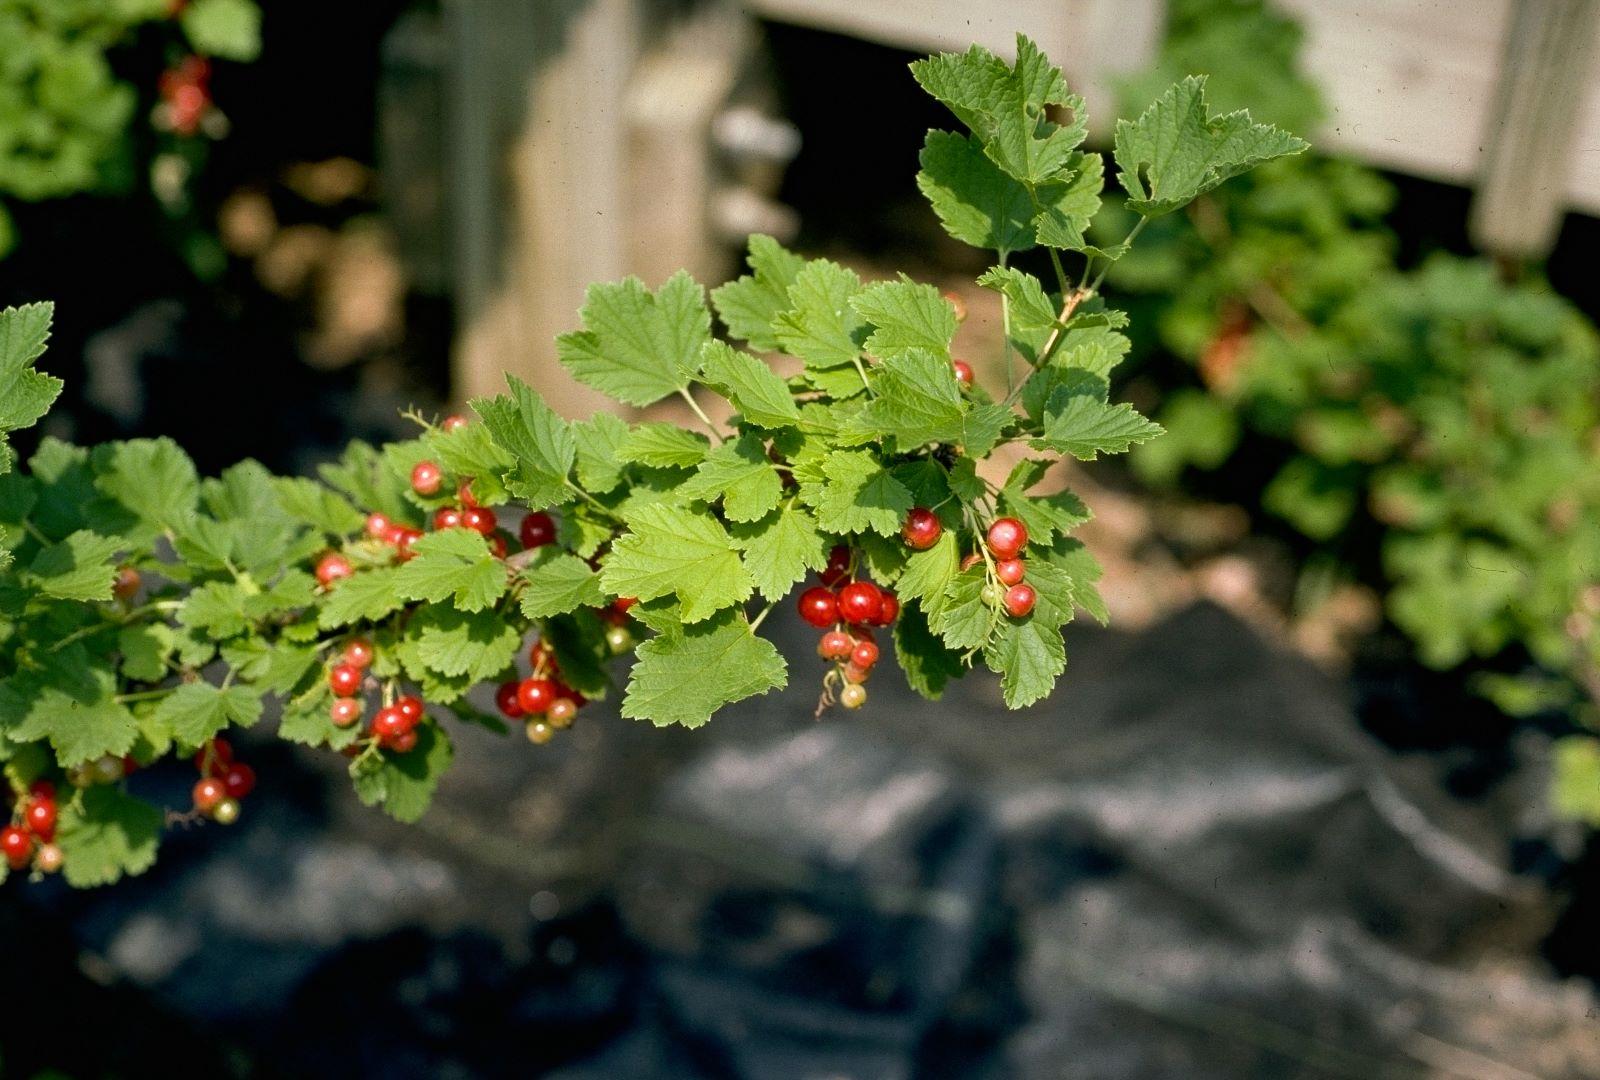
[
  {"x": 17, "y": 846},
  {"x": 1020, "y": 600},
  {"x": 538, "y": 529},
  {"x": 922, "y": 528},
  {"x": 446, "y": 517},
  {"x": 561, "y": 713},
  {"x": 535, "y": 695},
  {"x": 864, "y": 655},
  {"x": 208, "y": 792},
  {"x": 838, "y": 568},
  {"x": 379, "y": 527},
  {"x": 390, "y": 723},
  {"x": 42, "y": 789},
  {"x": 891, "y": 609},
  {"x": 331, "y": 568},
  {"x": 344, "y": 680},
  {"x": 563, "y": 690},
  {"x": 970, "y": 561},
  {"x": 963, "y": 373},
  {"x": 540, "y": 655},
  {"x": 856, "y": 675},
  {"x": 960, "y": 305},
  {"x": 426, "y": 478},
  {"x": 344, "y": 711},
  {"x": 835, "y": 645},
  {"x": 464, "y": 494},
  {"x": 239, "y": 780},
  {"x": 358, "y": 653},
  {"x": 1009, "y": 571},
  {"x": 622, "y": 603},
  {"x": 505, "y": 699},
  {"x": 41, "y": 819},
  {"x": 404, "y": 537},
  {"x": 819, "y": 607},
  {"x": 860, "y": 602},
  {"x": 126, "y": 585},
  {"x": 452, "y": 423},
  {"x": 411, "y": 707},
  {"x": 479, "y": 519},
  {"x": 403, "y": 743},
  {"x": 1007, "y": 537},
  {"x": 497, "y": 546}
]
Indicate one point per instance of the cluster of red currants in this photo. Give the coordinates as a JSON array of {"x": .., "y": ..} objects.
[
  {"x": 848, "y": 610},
  {"x": 545, "y": 703},
  {"x": 185, "y": 91},
  {"x": 394, "y": 726},
  {"x": 1006, "y": 538},
  {"x": 30, "y": 838},
  {"x": 223, "y": 782}
]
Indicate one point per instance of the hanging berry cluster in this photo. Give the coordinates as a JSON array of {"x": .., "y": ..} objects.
[{"x": 144, "y": 611}]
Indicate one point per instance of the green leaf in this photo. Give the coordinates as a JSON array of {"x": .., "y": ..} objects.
[
  {"x": 1085, "y": 426},
  {"x": 753, "y": 387},
  {"x": 906, "y": 317},
  {"x": 1044, "y": 515},
  {"x": 926, "y": 662},
  {"x": 76, "y": 710},
  {"x": 674, "y": 550},
  {"x": 599, "y": 441},
  {"x": 976, "y": 202},
  {"x": 860, "y": 494},
  {"x": 315, "y": 505},
  {"x": 636, "y": 346},
  {"x": 741, "y": 474},
  {"x": 403, "y": 784},
  {"x": 682, "y": 678},
  {"x": 25, "y": 394},
  {"x": 821, "y": 327},
  {"x": 152, "y": 478},
  {"x": 366, "y": 596},
  {"x": 470, "y": 645},
  {"x": 196, "y": 712},
  {"x": 105, "y": 835},
  {"x": 1069, "y": 204},
  {"x": 961, "y": 617},
  {"x": 144, "y": 649},
  {"x": 230, "y": 29},
  {"x": 453, "y": 565},
  {"x": 1176, "y": 151},
  {"x": 749, "y": 305},
  {"x": 539, "y": 440},
  {"x": 1029, "y": 656},
  {"x": 662, "y": 445},
  {"x": 780, "y": 548},
  {"x": 557, "y": 584},
  {"x": 917, "y": 400},
  {"x": 928, "y": 574},
  {"x": 78, "y": 568},
  {"x": 216, "y": 609}
]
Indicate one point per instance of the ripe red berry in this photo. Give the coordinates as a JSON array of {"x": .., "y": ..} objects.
[
  {"x": 126, "y": 585},
  {"x": 856, "y": 674},
  {"x": 17, "y": 846},
  {"x": 561, "y": 713},
  {"x": 535, "y": 695},
  {"x": 1020, "y": 600},
  {"x": 864, "y": 655},
  {"x": 426, "y": 478},
  {"x": 453, "y": 422},
  {"x": 819, "y": 607},
  {"x": 1009, "y": 571},
  {"x": 411, "y": 707},
  {"x": 479, "y": 519},
  {"x": 208, "y": 792},
  {"x": 331, "y": 568},
  {"x": 622, "y": 603},
  {"x": 963, "y": 373},
  {"x": 403, "y": 743},
  {"x": 358, "y": 653},
  {"x": 505, "y": 699},
  {"x": 835, "y": 645},
  {"x": 446, "y": 517},
  {"x": 344, "y": 680},
  {"x": 891, "y": 609},
  {"x": 970, "y": 561},
  {"x": 41, "y": 819},
  {"x": 403, "y": 537},
  {"x": 838, "y": 568},
  {"x": 540, "y": 655},
  {"x": 42, "y": 789},
  {"x": 464, "y": 494},
  {"x": 565, "y": 691},
  {"x": 345, "y": 711},
  {"x": 1007, "y": 537},
  {"x": 538, "y": 529},
  {"x": 379, "y": 527},
  {"x": 860, "y": 602},
  {"x": 922, "y": 528},
  {"x": 239, "y": 780},
  {"x": 391, "y": 723}
]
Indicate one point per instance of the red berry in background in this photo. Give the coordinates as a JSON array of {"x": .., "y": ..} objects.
[
  {"x": 1007, "y": 537},
  {"x": 860, "y": 602},
  {"x": 835, "y": 645},
  {"x": 208, "y": 792},
  {"x": 622, "y": 603},
  {"x": 565, "y": 691},
  {"x": 1020, "y": 600},
  {"x": 819, "y": 607},
  {"x": 535, "y": 695},
  {"x": 126, "y": 585},
  {"x": 403, "y": 537},
  {"x": 864, "y": 655},
  {"x": 446, "y": 517},
  {"x": 331, "y": 568},
  {"x": 963, "y": 373},
  {"x": 345, "y": 711},
  {"x": 538, "y": 529},
  {"x": 426, "y": 478},
  {"x": 497, "y": 546},
  {"x": 453, "y": 422},
  {"x": 505, "y": 699},
  {"x": 379, "y": 527},
  {"x": 838, "y": 567},
  {"x": 239, "y": 780},
  {"x": 1010, "y": 571},
  {"x": 464, "y": 494},
  {"x": 410, "y": 707},
  {"x": 891, "y": 609},
  {"x": 970, "y": 561},
  {"x": 41, "y": 818},
  {"x": 922, "y": 528},
  {"x": 358, "y": 653},
  {"x": 42, "y": 789},
  {"x": 403, "y": 743},
  {"x": 540, "y": 655},
  {"x": 479, "y": 519},
  {"x": 344, "y": 680},
  {"x": 16, "y": 845}
]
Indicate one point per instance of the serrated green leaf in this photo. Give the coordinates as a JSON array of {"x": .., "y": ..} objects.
[
  {"x": 471, "y": 645},
  {"x": 107, "y": 835},
  {"x": 151, "y": 478},
  {"x": 215, "y": 609},
  {"x": 663, "y": 445},
  {"x": 25, "y": 394},
  {"x": 636, "y": 346},
  {"x": 960, "y": 616},
  {"x": 403, "y": 784},
  {"x": 76, "y": 710},
  {"x": 749, "y": 305},
  {"x": 230, "y": 29},
  {"x": 362, "y": 597},
  {"x": 144, "y": 648},
  {"x": 1068, "y": 204},
  {"x": 976, "y": 202},
  {"x": 917, "y": 400},
  {"x": 1085, "y": 427},
  {"x": 557, "y": 584},
  {"x": 753, "y": 387},
  {"x": 928, "y": 574},
  {"x": 598, "y": 441},
  {"x": 928, "y": 665},
  {"x": 539, "y": 440},
  {"x": 1176, "y": 151},
  {"x": 78, "y": 568},
  {"x": 195, "y": 712},
  {"x": 780, "y": 548},
  {"x": 740, "y": 473},
  {"x": 1045, "y": 515},
  {"x": 454, "y": 565},
  {"x": 820, "y": 326},
  {"x": 860, "y": 494},
  {"x": 321, "y": 508},
  {"x": 906, "y": 316},
  {"x": 1028, "y": 656},
  {"x": 675, "y": 550},
  {"x": 683, "y": 678}
]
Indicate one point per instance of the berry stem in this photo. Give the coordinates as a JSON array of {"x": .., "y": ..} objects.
[{"x": 701, "y": 413}]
